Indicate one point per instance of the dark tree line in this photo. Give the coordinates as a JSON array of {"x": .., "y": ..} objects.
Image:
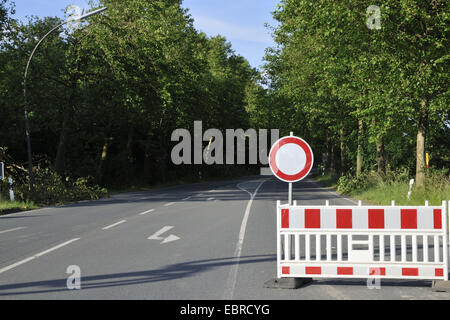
[{"x": 105, "y": 99}]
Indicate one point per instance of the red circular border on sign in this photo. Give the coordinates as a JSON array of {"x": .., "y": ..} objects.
[{"x": 309, "y": 159}]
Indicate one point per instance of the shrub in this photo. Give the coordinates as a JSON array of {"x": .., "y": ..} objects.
[
  {"x": 364, "y": 181},
  {"x": 51, "y": 188},
  {"x": 395, "y": 185}
]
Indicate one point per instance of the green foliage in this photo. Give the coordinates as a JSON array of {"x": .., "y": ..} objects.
[
  {"x": 105, "y": 99},
  {"x": 357, "y": 183},
  {"x": 350, "y": 183},
  {"x": 377, "y": 189},
  {"x": 436, "y": 191},
  {"x": 51, "y": 188},
  {"x": 349, "y": 89}
]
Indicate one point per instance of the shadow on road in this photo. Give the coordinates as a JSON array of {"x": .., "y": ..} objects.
[
  {"x": 20, "y": 217},
  {"x": 363, "y": 283},
  {"x": 171, "y": 272}
]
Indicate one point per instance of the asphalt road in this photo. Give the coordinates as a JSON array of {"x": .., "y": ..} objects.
[{"x": 202, "y": 241}]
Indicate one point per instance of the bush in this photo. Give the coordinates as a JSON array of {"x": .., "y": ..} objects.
[
  {"x": 349, "y": 183},
  {"x": 51, "y": 188}
]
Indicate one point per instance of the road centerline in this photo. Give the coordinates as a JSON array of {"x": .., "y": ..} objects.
[
  {"x": 37, "y": 255},
  {"x": 145, "y": 212},
  {"x": 114, "y": 224},
  {"x": 232, "y": 277},
  {"x": 10, "y": 230}
]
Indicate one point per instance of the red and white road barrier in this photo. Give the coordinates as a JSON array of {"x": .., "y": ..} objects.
[{"x": 393, "y": 242}]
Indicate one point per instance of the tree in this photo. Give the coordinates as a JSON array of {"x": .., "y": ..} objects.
[{"x": 361, "y": 85}]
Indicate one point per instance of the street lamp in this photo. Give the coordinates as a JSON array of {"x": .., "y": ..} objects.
[{"x": 27, "y": 123}]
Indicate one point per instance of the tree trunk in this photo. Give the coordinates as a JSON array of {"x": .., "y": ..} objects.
[
  {"x": 420, "y": 147},
  {"x": 148, "y": 161},
  {"x": 381, "y": 162},
  {"x": 68, "y": 112},
  {"x": 67, "y": 119},
  {"x": 103, "y": 159},
  {"x": 59, "y": 160},
  {"x": 359, "y": 158},
  {"x": 342, "y": 147},
  {"x": 127, "y": 156},
  {"x": 332, "y": 160}
]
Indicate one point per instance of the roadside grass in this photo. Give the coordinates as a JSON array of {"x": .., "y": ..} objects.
[
  {"x": 384, "y": 194},
  {"x": 16, "y": 206},
  {"x": 372, "y": 188}
]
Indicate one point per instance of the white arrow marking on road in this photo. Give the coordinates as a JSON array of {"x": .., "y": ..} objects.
[
  {"x": 170, "y": 239},
  {"x": 156, "y": 235}
]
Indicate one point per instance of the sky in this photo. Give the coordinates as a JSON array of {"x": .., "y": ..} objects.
[{"x": 240, "y": 21}]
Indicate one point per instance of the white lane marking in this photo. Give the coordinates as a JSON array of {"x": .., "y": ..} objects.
[
  {"x": 170, "y": 238},
  {"x": 12, "y": 266},
  {"x": 10, "y": 230},
  {"x": 355, "y": 202},
  {"x": 145, "y": 212},
  {"x": 209, "y": 199},
  {"x": 114, "y": 224},
  {"x": 156, "y": 235},
  {"x": 341, "y": 197},
  {"x": 232, "y": 277},
  {"x": 55, "y": 247},
  {"x": 16, "y": 264},
  {"x": 186, "y": 198},
  {"x": 335, "y": 193},
  {"x": 169, "y": 204}
]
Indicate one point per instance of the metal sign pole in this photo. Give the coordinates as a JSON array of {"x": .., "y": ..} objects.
[
  {"x": 290, "y": 193},
  {"x": 290, "y": 183}
]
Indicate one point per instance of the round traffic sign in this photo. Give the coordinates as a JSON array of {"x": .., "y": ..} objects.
[{"x": 291, "y": 159}]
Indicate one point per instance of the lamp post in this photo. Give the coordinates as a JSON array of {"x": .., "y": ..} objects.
[{"x": 27, "y": 122}]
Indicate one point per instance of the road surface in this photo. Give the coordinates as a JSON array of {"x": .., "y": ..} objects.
[{"x": 201, "y": 241}]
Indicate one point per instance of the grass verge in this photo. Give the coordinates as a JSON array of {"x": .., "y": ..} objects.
[
  {"x": 381, "y": 190},
  {"x": 16, "y": 206},
  {"x": 384, "y": 194}
]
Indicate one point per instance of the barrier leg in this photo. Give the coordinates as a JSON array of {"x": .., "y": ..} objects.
[{"x": 287, "y": 283}]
